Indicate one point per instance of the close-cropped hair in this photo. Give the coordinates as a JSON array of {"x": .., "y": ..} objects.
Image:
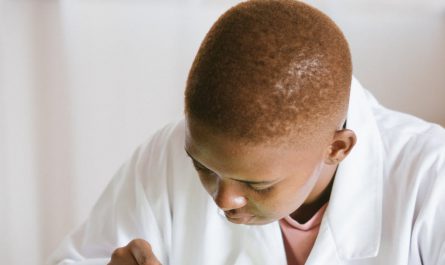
[{"x": 270, "y": 70}]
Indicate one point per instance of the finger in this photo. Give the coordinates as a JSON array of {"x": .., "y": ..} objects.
[
  {"x": 143, "y": 253},
  {"x": 122, "y": 256}
]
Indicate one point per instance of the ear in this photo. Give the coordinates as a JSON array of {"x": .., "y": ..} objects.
[{"x": 341, "y": 144}]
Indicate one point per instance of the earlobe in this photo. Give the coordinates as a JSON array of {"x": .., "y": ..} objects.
[{"x": 341, "y": 146}]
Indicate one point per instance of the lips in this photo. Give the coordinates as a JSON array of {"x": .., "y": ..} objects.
[
  {"x": 238, "y": 218},
  {"x": 231, "y": 215}
]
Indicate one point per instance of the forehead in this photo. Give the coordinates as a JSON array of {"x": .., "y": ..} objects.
[{"x": 253, "y": 162}]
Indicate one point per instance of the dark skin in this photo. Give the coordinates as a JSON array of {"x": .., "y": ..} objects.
[
  {"x": 137, "y": 252},
  {"x": 305, "y": 212},
  {"x": 259, "y": 184}
]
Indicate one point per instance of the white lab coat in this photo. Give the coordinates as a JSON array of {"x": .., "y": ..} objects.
[{"x": 387, "y": 204}]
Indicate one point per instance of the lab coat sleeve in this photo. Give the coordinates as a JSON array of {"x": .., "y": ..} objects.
[
  {"x": 432, "y": 232},
  {"x": 429, "y": 227},
  {"x": 134, "y": 205}
]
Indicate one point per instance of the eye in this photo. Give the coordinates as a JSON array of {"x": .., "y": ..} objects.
[
  {"x": 198, "y": 167},
  {"x": 201, "y": 168},
  {"x": 260, "y": 190}
]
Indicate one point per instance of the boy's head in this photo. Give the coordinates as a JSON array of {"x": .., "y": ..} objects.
[
  {"x": 265, "y": 100},
  {"x": 269, "y": 71}
]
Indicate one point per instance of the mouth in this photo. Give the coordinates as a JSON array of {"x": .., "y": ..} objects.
[{"x": 239, "y": 219}]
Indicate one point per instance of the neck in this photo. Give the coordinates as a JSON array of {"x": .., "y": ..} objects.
[{"x": 318, "y": 197}]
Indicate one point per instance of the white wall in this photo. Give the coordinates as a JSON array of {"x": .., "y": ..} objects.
[
  {"x": 398, "y": 51},
  {"x": 82, "y": 83}
]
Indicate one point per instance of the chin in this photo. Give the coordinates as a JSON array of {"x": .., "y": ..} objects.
[{"x": 259, "y": 221}]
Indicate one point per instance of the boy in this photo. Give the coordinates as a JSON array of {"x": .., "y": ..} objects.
[{"x": 282, "y": 158}]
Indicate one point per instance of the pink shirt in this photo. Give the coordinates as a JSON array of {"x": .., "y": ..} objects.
[{"x": 300, "y": 238}]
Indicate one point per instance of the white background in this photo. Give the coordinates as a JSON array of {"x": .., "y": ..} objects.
[{"x": 82, "y": 83}]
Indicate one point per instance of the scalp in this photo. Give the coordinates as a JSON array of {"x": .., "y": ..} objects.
[{"x": 270, "y": 70}]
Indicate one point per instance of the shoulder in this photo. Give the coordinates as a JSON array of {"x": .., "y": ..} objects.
[
  {"x": 160, "y": 156},
  {"x": 414, "y": 177},
  {"x": 409, "y": 139},
  {"x": 170, "y": 134},
  {"x": 164, "y": 142},
  {"x": 413, "y": 151}
]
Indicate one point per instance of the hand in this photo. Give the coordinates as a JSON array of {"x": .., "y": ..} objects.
[{"x": 137, "y": 252}]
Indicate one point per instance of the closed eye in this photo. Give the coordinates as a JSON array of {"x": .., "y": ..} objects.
[
  {"x": 204, "y": 170},
  {"x": 260, "y": 189},
  {"x": 201, "y": 168},
  {"x": 251, "y": 185}
]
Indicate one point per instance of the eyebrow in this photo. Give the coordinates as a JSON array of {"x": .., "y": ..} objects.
[{"x": 240, "y": 180}]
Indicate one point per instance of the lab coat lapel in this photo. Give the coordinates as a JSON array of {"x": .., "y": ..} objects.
[
  {"x": 324, "y": 250},
  {"x": 351, "y": 227}
]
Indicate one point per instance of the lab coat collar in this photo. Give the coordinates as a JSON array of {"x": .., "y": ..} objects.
[{"x": 354, "y": 215}]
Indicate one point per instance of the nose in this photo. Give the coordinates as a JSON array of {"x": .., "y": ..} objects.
[{"x": 228, "y": 195}]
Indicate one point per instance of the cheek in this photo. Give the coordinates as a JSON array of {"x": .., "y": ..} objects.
[
  {"x": 285, "y": 198},
  {"x": 273, "y": 203}
]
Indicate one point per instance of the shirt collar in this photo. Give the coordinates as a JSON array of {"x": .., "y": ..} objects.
[{"x": 354, "y": 215}]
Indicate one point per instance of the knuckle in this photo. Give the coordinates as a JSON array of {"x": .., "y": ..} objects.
[
  {"x": 142, "y": 252},
  {"x": 143, "y": 261},
  {"x": 139, "y": 244},
  {"x": 117, "y": 253},
  {"x": 150, "y": 261}
]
